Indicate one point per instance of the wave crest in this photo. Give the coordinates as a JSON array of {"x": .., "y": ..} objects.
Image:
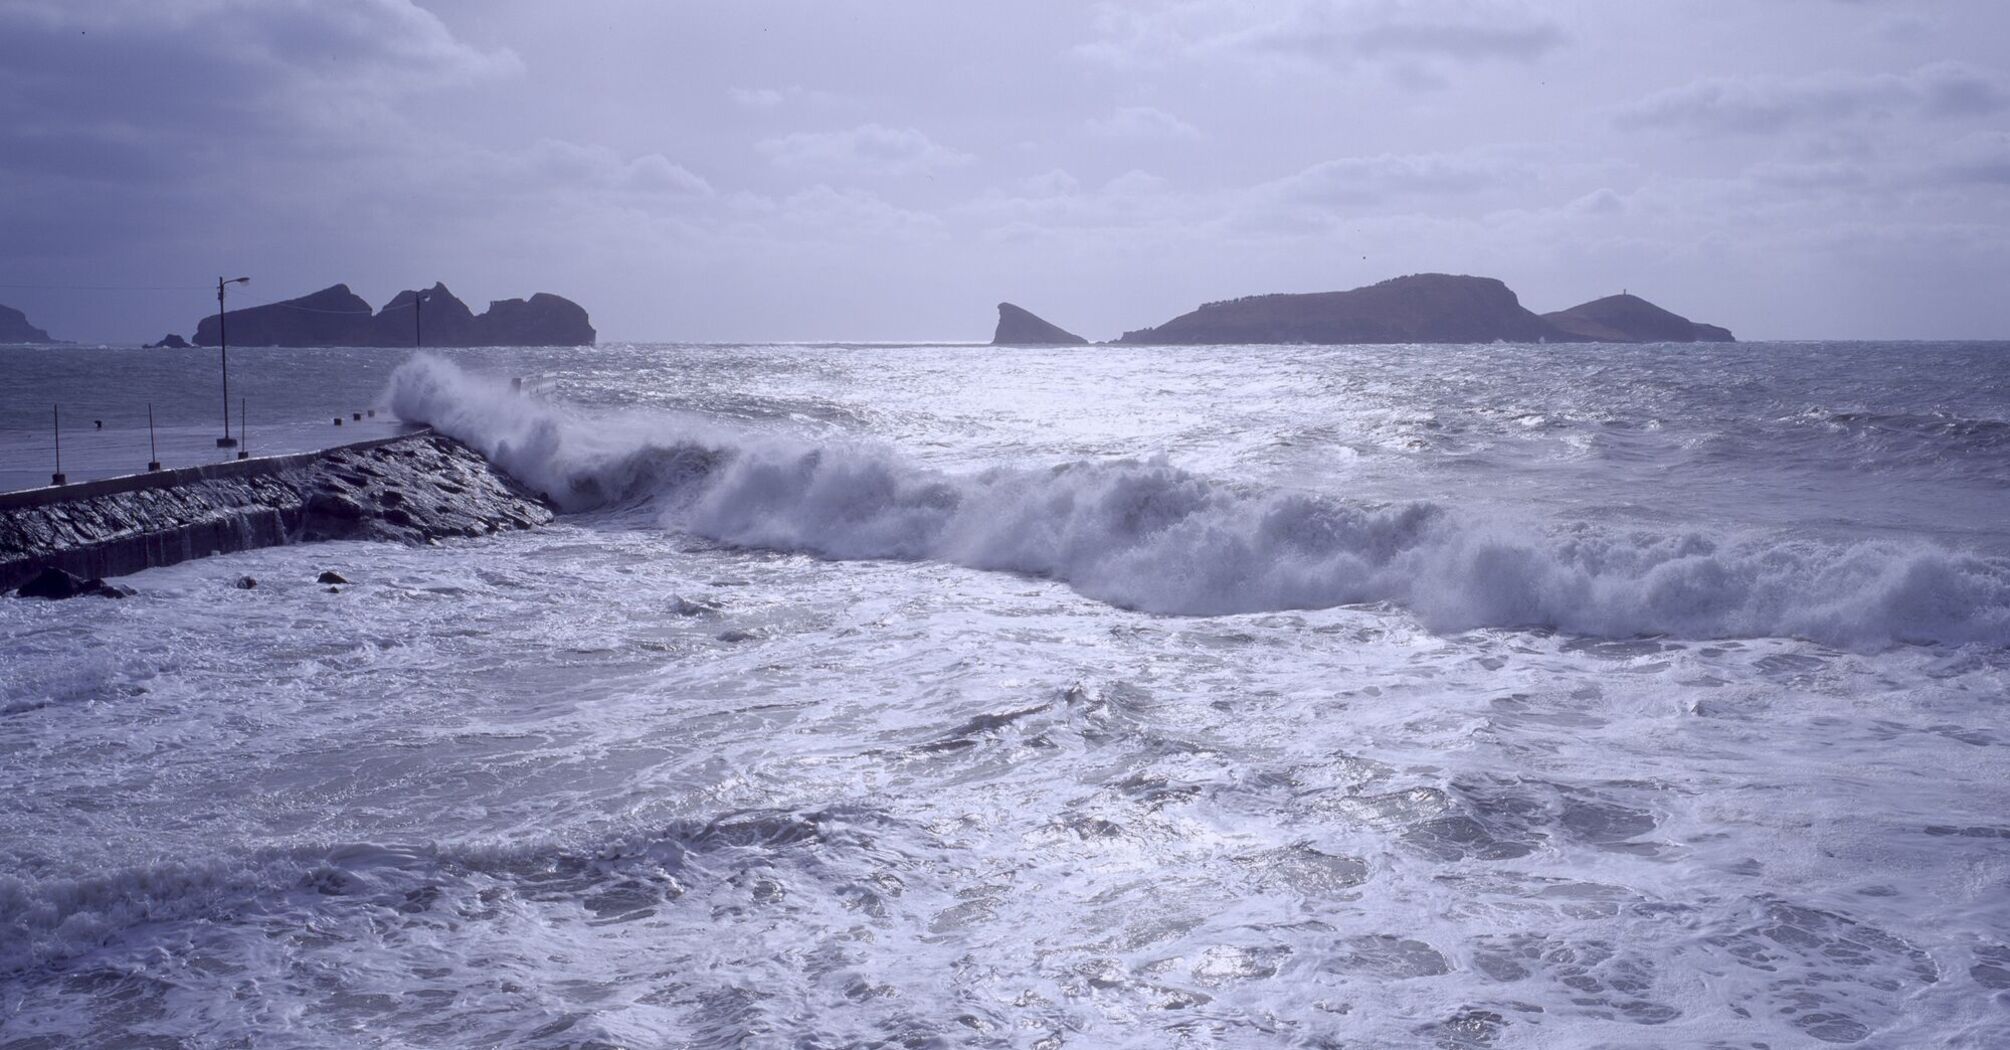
[{"x": 1147, "y": 535}]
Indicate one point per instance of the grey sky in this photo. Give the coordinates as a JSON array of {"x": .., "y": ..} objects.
[{"x": 838, "y": 169}]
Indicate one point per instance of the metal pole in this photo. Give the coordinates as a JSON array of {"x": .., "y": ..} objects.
[
  {"x": 417, "y": 301},
  {"x": 223, "y": 355},
  {"x": 56, "y": 416},
  {"x": 153, "y": 447},
  {"x": 244, "y": 452}
]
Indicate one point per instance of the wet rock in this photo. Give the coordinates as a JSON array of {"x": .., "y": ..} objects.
[
  {"x": 245, "y": 583},
  {"x": 330, "y": 576},
  {"x": 55, "y": 585}
]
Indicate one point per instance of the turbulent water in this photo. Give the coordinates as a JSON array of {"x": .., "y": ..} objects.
[{"x": 949, "y": 696}]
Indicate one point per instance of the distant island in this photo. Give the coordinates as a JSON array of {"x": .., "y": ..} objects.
[
  {"x": 1017, "y": 327},
  {"x": 14, "y": 328},
  {"x": 1422, "y": 308},
  {"x": 336, "y": 316}
]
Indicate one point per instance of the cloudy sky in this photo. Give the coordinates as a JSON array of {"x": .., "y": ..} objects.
[{"x": 844, "y": 169}]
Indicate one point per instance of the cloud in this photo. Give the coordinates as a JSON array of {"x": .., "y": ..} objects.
[
  {"x": 1329, "y": 33},
  {"x": 756, "y": 98},
  {"x": 867, "y": 149},
  {"x": 1142, "y": 122},
  {"x": 1758, "y": 105},
  {"x": 1368, "y": 180}
]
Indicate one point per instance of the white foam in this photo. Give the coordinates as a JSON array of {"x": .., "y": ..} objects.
[{"x": 1149, "y": 536}]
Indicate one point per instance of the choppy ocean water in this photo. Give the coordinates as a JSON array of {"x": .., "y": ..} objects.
[{"x": 943, "y": 696}]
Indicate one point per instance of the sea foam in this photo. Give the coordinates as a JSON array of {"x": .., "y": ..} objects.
[{"x": 1148, "y": 535}]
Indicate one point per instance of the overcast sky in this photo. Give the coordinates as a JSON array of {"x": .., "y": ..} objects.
[{"x": 843, "y": 169}]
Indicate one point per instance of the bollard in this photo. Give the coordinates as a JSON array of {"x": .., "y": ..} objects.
[
  {"x": 516, "y": 385},
  {"x": 357, "y": 416},
  {"x": 338, "y": 421},
  {"x": 153, "y": 447},
  {"x": 372, "y": 413}
]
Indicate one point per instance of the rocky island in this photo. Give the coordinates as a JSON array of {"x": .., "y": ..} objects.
[
  {"x": 1019, "y": 327},
  {"x": 14, "y": 328},
  {"x": 1422, "y": 308},
  {"x": 336, "y": 316},
  {"x": 1626, "y": 318}
]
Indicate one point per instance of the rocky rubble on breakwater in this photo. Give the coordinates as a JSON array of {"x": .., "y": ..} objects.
[{"x": 414, "y": 489}]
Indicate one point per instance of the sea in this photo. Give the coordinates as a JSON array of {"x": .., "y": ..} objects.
[{"x": 953, "y": 696}]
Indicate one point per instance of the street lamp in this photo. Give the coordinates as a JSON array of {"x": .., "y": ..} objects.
[
  {"x": 418, "y": 300},
  {"x": 223, "y": 352}
]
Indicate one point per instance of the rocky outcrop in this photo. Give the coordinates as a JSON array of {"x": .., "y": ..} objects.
[
  {"x": 1424, "y": 308},
  {"x": 410, "y": 490},
  {"x": 336, "y": 316},
  {"x": 1019, "y": 327},
  {"x": 434, "y": 317},
  {"x": 333, "y": 316},
  {"x": 56, "y": 585},
  {"x": 542, "y": 320},
  {"x": 1626, "y": 318},
  {"x": 14, "y": 328},
  {"x": 168, "y": 342}
]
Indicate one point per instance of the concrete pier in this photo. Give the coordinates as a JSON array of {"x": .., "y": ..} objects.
[{"x": 411, "y": 488}]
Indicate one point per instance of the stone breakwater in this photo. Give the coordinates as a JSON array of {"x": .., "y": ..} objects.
[{"x": 410, "y": 489}]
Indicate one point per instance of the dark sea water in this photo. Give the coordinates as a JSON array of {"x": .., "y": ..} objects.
[{"x": 1496, "y": 696}]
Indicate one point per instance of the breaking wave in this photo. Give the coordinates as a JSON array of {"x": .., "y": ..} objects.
[{"x": 1147, "y": 535}]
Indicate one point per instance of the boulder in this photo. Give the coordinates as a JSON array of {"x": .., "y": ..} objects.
[
  {"x": 168, "y": 342},
  {"x": 1019, "y": 327},
  {"x": 330, "y": 576},
  {"x": 55, "y": 585}
]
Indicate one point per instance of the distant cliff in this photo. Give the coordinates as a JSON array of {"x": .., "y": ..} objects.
[
  {"x": 336, "y": 316},
  {"x": 1017, "y": 327},
  {"x": 1425, "y": 308},
  {"x": 1630, "y": 319},
  {"x": 14, "y": 328}
]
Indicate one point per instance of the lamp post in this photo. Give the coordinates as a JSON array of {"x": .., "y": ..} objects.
[
  {"x": 223, "y": 352},
  {"x": 418, "y": 300}
]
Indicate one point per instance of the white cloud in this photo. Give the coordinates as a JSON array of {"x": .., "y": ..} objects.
[
  {"x": 757, "y": 98},
  {"x": 867, "y": 149},
  {"x": 1142, "y": 122},
  {"x": 1756, "y": 105},
  {"x": 1321, "y": 32}
]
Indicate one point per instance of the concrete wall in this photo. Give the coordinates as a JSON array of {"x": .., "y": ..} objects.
[{"x": 123, "y": 525}]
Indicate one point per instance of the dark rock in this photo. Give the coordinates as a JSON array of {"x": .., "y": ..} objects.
[
  {"x": 336, "y": 316},
  {"x": 1018, "y": 327},
  {"x": 1628, "y": 318},
  {"x": 542, "y": 320},
  {"x": 1425, "y": 308},
  {"x": 168, "y": 342},
  {"x": 55, "y": 584},
  {"x": 245, "y": 583},
  {"x": 14, "y": 328},
  {"x": 330, "y": 576},
  {"x": 333, "y": 316},
  {"x": 439, "y": 319}
]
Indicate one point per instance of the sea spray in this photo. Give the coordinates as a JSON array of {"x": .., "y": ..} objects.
[{"x": 1148, "y": 535}]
